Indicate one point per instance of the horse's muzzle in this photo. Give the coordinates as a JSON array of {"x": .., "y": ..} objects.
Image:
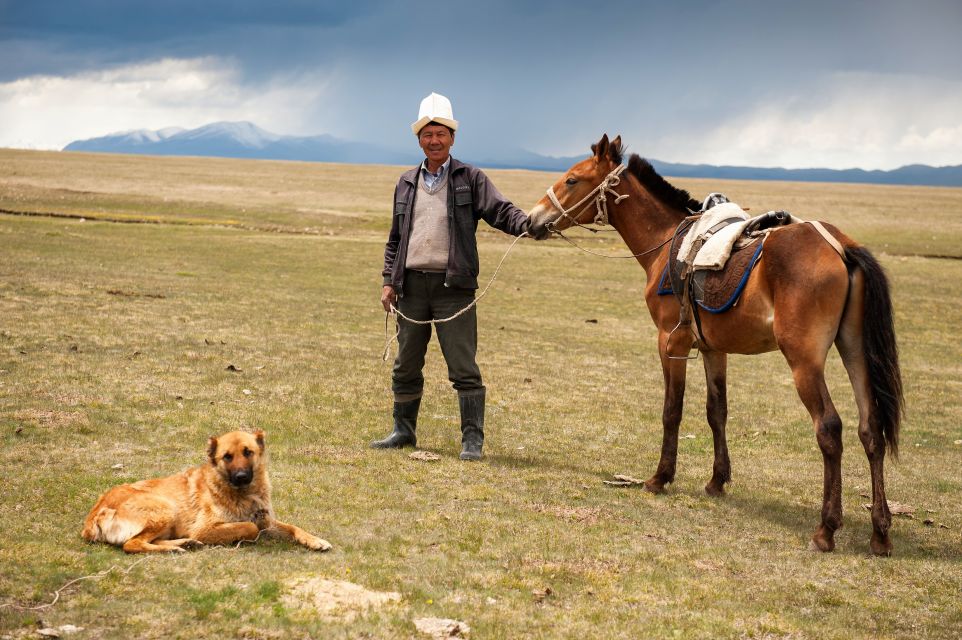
[
  {"x": 539, "y": 231},
  {"x": 540, "y": 226}
]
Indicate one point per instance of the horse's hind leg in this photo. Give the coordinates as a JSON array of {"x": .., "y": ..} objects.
[
  {"x": 674, "y": 371},
  {"x": 809, "y": 375},
  {"x": 849, "y": 344},
  {"x": 716, "y": 366}
]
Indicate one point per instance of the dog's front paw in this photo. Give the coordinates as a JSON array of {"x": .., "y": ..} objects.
[
  {"x": 183, "y": 544},
  {"x": 314, "y": 543},
  {"x": 190, "y": 543},
  {"x": 262, "y": 518}
]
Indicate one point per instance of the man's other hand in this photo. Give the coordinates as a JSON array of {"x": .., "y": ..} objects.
[{"x": 388, "y": 297}]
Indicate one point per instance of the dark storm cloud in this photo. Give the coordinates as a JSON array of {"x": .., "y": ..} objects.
[
  {"x": 120, "y": 20},
  {"x": 868, "y": 35},
  {"x": 741, "y": 40},
  {"x": 45, "y": 36}
]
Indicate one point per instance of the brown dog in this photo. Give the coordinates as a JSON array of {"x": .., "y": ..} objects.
[{"x": 223, "y": 501}]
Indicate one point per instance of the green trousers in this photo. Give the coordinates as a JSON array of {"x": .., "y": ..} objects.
[{"x": 425, "y": 298}]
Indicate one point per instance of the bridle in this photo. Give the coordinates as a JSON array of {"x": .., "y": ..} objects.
[{"x": 599, "y": 193}]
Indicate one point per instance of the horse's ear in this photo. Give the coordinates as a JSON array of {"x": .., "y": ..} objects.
[
  {"x": 615, "y": 150},
  {"x": 601, "y": 149}
]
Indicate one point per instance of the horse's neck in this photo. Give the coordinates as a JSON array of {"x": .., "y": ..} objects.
[{"x": 645, "y": 222}]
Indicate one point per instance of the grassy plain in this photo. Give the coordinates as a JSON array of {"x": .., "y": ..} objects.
[{"x": 115, "y": 341}]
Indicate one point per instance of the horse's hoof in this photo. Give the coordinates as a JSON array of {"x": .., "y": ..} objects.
[
  {"x": 881, "y": 545},
  {"x": 715, "y": 490},
  {"x": 653, "y": 485},
  {"x": 823, "y": 541}
]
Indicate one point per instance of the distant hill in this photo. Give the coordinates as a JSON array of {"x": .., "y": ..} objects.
[
  {"x": 247, "y": 140},
  {"x": 241, "y": 140},
  {"x": 914, "y": 174}
]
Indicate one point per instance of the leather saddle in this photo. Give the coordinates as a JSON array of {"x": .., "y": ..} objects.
[{"x": 716, "y": 291}]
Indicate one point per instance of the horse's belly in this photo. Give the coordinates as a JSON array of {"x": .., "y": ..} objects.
[{"x": 745, "y": 328}]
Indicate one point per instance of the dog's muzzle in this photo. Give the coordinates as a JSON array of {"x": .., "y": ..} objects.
[{"x": 241, "y": 477}]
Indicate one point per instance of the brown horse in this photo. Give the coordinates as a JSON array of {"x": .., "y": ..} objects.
[{"x": 802, "y": 297}]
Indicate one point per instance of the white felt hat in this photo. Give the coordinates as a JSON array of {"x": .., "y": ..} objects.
[{"x": 437, "y": 108}]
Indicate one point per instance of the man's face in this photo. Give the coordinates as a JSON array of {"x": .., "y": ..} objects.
[{"x": 436, "y": 141}]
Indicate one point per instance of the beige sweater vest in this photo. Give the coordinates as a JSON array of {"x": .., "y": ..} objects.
[{"x": 428, "y": 245}]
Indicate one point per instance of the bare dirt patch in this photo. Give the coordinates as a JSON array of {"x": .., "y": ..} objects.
[
  {"x": 336, "y": 599},
  {"x": 442, "y": 628}
]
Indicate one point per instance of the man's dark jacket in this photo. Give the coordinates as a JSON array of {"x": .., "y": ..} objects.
[{"x": 471, "y": 196}]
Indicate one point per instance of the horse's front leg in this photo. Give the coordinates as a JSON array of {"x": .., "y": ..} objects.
[
  {"x": 674, "y": 371},
  {"x": 716, "y": 368}
]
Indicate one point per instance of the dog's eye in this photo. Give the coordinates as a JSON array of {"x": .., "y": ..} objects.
[
  {"x": 247, "y": 452},
  {"x": 228, "y": 457}
]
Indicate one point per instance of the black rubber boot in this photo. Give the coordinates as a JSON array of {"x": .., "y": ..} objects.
[
  {"x": 405, "y": 423},
  {"x": 472, "y": 424}
]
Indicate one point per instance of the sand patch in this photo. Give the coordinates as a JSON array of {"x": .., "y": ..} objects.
[
  {"x": 336, "y": 598},
  {"x": 442, "y": 628}
]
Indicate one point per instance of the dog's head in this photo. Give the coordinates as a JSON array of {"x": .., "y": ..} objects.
[{"x": 237, "y": 456}]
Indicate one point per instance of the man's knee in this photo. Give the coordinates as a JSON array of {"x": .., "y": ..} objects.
[{"x": 465, "y": 375}]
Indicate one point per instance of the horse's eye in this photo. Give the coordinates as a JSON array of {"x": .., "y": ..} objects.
[
  {"x": 571, "y": 181},
  {"x": 228, "y": 457}
]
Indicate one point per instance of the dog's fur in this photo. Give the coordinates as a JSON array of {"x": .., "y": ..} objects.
[{"x": 225, "y": 500}]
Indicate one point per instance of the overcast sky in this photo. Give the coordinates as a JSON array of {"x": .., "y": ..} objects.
[{"x": 873, "y": 84}]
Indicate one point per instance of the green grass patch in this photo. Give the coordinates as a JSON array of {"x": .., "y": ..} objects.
[{"x": 115, "y": 341}]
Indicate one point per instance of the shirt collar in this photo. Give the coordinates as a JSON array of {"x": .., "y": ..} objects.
[{"x": 444, "y": 167}]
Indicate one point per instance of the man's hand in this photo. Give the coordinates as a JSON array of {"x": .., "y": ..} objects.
[{"x": 388, "y": 297}]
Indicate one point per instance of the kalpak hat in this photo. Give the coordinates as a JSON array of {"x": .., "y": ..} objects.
[{"x": 434, "y": 108}]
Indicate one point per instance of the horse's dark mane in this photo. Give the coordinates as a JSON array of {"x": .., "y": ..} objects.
[
  {"x": 658, "y": 186},
  {"x": 654, "y": 183}
]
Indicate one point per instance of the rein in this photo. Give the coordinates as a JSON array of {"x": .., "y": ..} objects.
[{"x": 603, "y": 255}]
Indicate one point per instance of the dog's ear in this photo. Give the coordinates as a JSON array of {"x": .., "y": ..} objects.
[
  {"x": 212, "y": 450},
  {"x": 259, "y": 436}
]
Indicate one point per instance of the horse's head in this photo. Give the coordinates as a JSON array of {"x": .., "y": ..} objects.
[{"x": 577, "y": 184}]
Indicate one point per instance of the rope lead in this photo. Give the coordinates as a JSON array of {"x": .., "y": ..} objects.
[{"x": 397, "y": 312}]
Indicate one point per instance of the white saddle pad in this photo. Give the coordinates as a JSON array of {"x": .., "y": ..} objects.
[
  {"x": 715, "y": 252},
  {"x": 708, "y": 219}
]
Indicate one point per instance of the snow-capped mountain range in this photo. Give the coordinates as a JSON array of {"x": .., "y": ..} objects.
[{"x": 247, "y": 140}]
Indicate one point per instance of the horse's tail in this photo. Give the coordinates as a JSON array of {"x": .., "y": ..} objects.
[{"x": 880, "y": 348}]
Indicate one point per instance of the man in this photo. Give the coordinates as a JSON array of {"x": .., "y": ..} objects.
[{"x": 431, "y": 272}]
